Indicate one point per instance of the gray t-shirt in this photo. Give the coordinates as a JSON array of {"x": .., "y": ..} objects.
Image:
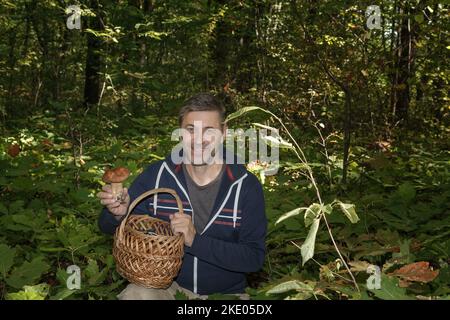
[{"x": 202, "y": 198}]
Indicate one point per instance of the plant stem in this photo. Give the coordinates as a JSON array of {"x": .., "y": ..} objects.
[
  {"x": 339, "y": 253},
  {"x": 302, "y": 159}
]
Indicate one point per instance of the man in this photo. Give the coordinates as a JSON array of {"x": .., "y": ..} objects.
[{"x": 224, "y": 223}]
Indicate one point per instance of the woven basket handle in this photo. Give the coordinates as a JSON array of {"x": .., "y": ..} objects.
[{"x": 144, "y": 195}]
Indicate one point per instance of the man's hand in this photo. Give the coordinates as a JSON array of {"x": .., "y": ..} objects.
[
  {"x": 117, "y": 208},
  {"x": 182, "y": 223}
]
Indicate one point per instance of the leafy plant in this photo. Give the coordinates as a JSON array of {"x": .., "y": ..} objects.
[{"x": 316, "y": 211}]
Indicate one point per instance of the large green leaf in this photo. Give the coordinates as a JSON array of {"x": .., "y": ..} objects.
[
  {"x": 312, "y": 213},
  {"x": 307, "y": 248},
  {"x": 6, "y": 259},
  {"x": 289, "y": 214},
  {"x": 349, "y": 210},
  {"x": 390, "y": 289},
  {"x": 28, "y": 273},
  {"x": 95, "y": 276},
  {"x": 37, "y": 292},
  {"x": 62, "y": 294},
  {"x": 288, "y": 286}
]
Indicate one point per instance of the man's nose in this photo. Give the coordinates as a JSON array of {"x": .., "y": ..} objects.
[{"x": 198, "y": 137}]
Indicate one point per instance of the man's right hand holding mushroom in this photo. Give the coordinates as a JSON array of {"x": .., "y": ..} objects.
[{"x": 113, "y": 196}]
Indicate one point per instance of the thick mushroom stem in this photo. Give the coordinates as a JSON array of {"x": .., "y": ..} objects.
[{"x": 116, "y": 189}]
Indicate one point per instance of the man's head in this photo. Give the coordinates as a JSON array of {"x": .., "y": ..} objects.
[{"x": 201, "y": 119}]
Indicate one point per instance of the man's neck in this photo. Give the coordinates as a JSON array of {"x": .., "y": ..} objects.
[{"x": 202, "y": 175}]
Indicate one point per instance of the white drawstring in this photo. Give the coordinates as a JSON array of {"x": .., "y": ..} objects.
[
  {"x": 155, "y": 198},
  {"x": 224, "y": 202},
  {"x": 236, "y": 201},
  {"x": 182, "y": 189}
]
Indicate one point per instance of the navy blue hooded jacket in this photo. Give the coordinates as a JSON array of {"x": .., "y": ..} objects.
[{"x": 233, "y": 241}]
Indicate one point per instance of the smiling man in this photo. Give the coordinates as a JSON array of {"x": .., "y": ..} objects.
[{"x": 224, "y": 222}]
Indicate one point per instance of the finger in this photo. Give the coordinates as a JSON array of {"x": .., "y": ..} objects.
[
  {"x": 177, "y": 225},
  {"x": 178, "y": 221},
  {"x": 104, "y": 195},
  {"x": 183, "y": 216},
  {"x": 108, "y": 202},
  {"x": 114, "y": 205},
  {"x": 179, "y": 229},
  {"x": 106, "y": 188}
]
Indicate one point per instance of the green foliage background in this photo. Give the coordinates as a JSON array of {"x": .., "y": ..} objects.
[{"x": 313, "y": 64}]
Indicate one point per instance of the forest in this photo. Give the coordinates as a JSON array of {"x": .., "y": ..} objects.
[{"x": 359, "y": 208}]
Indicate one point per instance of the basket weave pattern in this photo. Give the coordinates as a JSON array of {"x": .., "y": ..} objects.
[{"x": 151, "y": 261}]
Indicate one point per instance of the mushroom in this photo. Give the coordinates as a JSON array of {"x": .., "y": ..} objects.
[{"x": 115, "y": 177}]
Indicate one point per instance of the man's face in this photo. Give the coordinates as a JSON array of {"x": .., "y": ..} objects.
[{"x": 202, "y": 136}]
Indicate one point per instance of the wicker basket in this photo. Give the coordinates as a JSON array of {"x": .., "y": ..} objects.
[{"x": 151, "y": 261}]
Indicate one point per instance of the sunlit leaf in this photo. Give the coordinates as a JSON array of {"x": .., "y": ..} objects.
[
  {"x": 307, "y": 248},
  {"x": 289, "y": 214},
  {"x": 349, "y": 210}
]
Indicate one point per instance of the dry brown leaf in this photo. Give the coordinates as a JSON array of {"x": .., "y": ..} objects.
[
  {"x": 359, "y": 266},
  {"x": 417, "y": 271}
]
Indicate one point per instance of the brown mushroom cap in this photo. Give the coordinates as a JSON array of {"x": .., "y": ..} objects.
[{"x": 116, "y": 175}]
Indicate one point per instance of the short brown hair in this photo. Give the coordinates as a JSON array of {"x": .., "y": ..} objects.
[{"x": 202, "y": 102}]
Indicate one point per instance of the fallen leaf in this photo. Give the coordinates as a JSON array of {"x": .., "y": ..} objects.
[
  {"x": 417, "y": 271},
  {"x": 359, "y": 266}
]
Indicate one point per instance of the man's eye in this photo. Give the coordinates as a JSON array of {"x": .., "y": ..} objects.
[
  {"x": 209, "y": 131},
  {"x": 190, "y": 130}
]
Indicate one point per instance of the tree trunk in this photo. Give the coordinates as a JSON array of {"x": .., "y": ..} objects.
[
  {"x": 405, "y": 55},
  {"x": 93, "y": 59},
  {"x": 220, "y": 49}
]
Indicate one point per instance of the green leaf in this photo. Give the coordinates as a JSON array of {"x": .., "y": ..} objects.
[
  {"x": 290, "y": 285},
  {"x": 180, "y": 295},
  {"x": 263, "y": 126},
  {"x": 27, "y": 273},
  {"x": 312, "y": 213},
  {"x": 62, "y": 276},
  {"x": 6, "y": 259},
  {"x": 305, "y": 295},
  {"x": 289, "y": 214},
  {"x": 95, "y": 276},
  {"x": 277, "y": 141},
  {"x": 242, "y": 111},
  {"x": 328, "y": 209},
  {"x": 390, "y": 289},
  {"x": 307, "y": 248},
  {"x": 349, "y": 210},
  {"x": 62, "y": 294},
  {"x": 37, "y": 292}
]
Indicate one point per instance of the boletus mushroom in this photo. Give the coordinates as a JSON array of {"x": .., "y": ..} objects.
[{"x": 115, "y": 177}]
